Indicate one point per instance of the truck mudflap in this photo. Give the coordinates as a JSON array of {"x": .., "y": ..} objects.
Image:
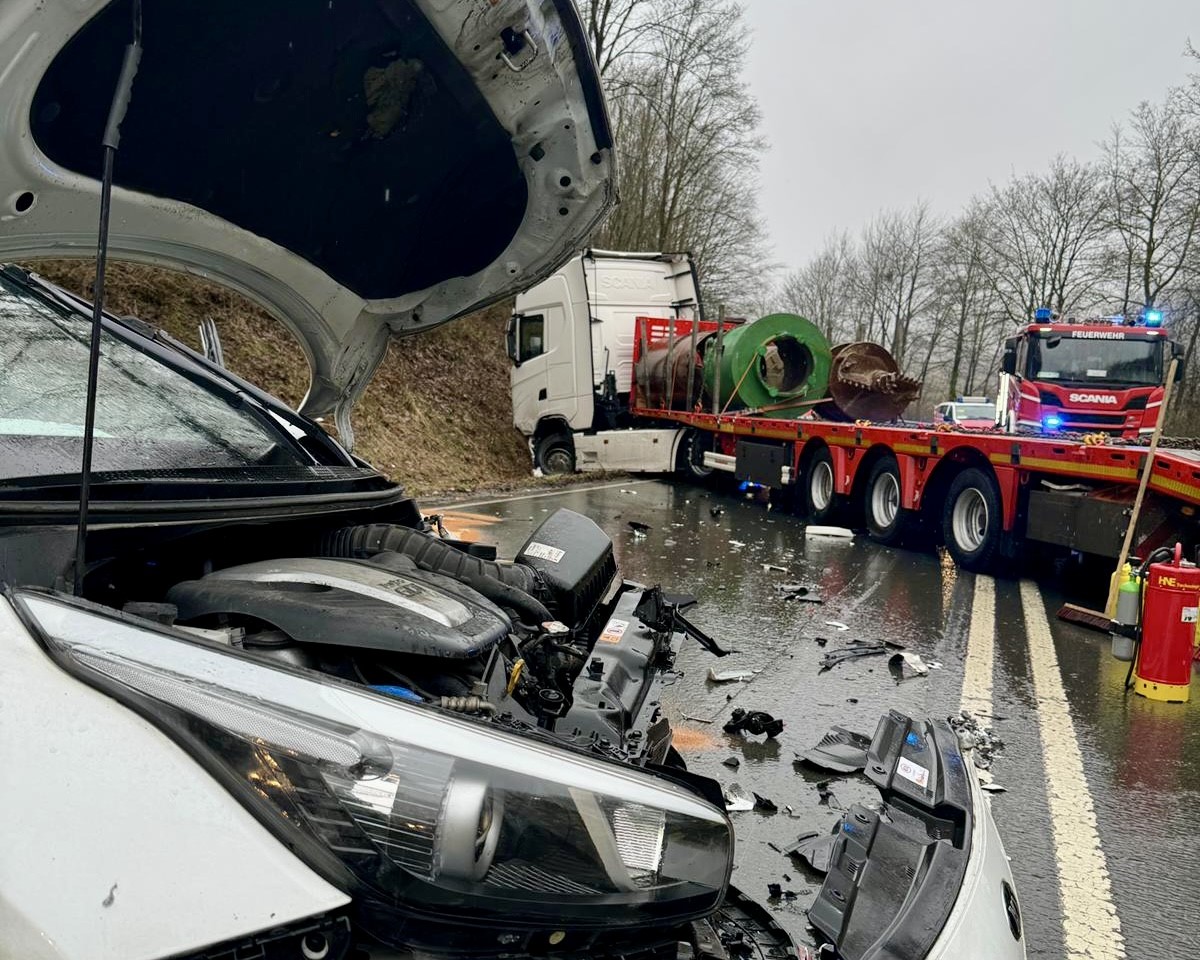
[{"x": 899, "y": 874}]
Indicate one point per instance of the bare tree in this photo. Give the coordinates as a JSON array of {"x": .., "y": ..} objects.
[
  {"x": 965, "y": 294},
  {"x": 617, "y": 29},
  {"x": 821, "y": 289},
  {"x": 1153, "y": 171},
  {"x": 890, "y": 279},
  {"x": 1046, "y": 239},
  {"x": 686, "y": 130}
]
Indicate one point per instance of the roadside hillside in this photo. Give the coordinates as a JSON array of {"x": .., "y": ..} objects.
[{"x": 437, "y": 416}]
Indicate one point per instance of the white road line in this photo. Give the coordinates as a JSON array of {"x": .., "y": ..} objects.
[
  {"x": 557, "y": 492},
  {"x": 1091, "y": 928},
  {"x": 981, "y": 642}
]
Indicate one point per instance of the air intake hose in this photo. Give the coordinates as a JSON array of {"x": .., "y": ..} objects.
[{"x": 505, "y": 584}]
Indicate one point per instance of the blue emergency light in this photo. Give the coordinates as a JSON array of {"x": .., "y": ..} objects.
[
  {"x": 1043, "y": 314},
  {"x": 1051, "y": 422},
  {"x": 1153, "y": 318}
]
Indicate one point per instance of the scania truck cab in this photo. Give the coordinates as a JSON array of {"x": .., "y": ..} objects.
[
  {"x": 1100, "y": 376},
  {"x": 571, "y": 345}
]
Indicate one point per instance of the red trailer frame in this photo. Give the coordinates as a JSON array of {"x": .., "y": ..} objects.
[{"x": 927, "y": 458}]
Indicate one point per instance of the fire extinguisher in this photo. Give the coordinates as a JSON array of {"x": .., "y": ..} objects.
[{"x": 1167, "y": 616}]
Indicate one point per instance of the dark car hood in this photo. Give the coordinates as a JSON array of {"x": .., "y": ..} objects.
[{"x": 362, "y": 168}]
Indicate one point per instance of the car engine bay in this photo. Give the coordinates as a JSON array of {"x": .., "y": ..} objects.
[{"x": 551, "y": 640}]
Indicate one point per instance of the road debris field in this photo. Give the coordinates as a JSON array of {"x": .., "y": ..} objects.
[{"x": 1095, "y": 793}]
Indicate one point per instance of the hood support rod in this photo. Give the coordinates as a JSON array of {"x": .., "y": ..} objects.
[{"x": 112, "y": 139}]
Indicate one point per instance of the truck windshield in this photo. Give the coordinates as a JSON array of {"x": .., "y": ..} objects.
[
  {"x": 1063, "y": 358},
  {"x": 149, "y": 417}
]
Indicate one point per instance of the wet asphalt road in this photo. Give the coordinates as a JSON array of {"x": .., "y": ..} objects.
[{"x": 1140, "y": 760}]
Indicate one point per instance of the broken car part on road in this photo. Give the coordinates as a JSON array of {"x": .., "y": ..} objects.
[
  {"x": 840, "y": 750},
  {"x": 900, "y": 878},
  {"x": 857, "y": 649},
  {"x": 756, "y": 722}
]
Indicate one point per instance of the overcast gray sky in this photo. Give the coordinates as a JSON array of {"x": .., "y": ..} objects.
[{"x": 874, "y": 103}]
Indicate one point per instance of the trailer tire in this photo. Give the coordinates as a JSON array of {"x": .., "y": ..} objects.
[
  {"x": 972, "y": 520},
  {"x": 689, "y": 462},
  {"x": 820, "y": 487},
  {"x": 886, "y": 520},
  {"x": 555, "y": 454}
]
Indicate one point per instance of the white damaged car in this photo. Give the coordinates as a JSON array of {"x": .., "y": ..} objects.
[{"x": 273, "y": 714}]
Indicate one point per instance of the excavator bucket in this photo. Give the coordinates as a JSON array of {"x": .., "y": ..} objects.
[{"x": 865, "y": 383}]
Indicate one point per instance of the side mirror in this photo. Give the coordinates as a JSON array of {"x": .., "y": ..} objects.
[
  {"x": 1180, "y": 354},
  {"x": 510, "y": 339},
  {"x": 1008, "y": 364}
]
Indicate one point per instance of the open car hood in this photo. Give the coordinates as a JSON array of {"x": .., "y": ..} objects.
[{"x": 362, "y": 168}]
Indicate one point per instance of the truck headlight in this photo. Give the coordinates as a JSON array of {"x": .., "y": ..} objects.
[{"x": 431, "y": 814}]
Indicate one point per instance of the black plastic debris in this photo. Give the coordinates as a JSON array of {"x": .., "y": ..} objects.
[
  {"x": 820, "y": 641},
  {"x": 765, "y": 804},
  {"x": 798, "y": 591},
  {"x": 715, "y": 511},
  {"x": 639, "y": 529},
  {"x": 825, "y": 796},
  {"x": 732, "y": 762},
  {"x": 815, "y": 849},
  {"x": 754, "y": 722},
  {"x": 840, "y": 750},
  {"x": 656, "y": 611},
  {"x": 774, "y": 891},
  {"x": 856, "y": 649}
]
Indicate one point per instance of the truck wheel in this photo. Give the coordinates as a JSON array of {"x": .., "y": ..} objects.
[
  {"x": 886, "y": 519},
  {"x": 972, "y": 520},
  {"x": 690, "y": 459},
  {"x": 820, "y": 488},
  {"x": 556, "y": 454}
]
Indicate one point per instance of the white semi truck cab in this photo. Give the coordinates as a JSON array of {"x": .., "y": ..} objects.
[{"x": 571, "y": 345}]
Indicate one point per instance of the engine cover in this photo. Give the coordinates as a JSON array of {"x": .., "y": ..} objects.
[{"x": 394, "y": 607}]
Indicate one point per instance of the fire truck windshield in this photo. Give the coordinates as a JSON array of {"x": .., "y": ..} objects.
[{"x": 1066, "y": 359}]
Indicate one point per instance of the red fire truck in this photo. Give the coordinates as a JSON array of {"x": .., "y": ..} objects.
[{"x": 1101, "y": 376}]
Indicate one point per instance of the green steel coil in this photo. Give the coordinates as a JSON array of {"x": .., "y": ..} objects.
[{"x": 768, "y": 363}]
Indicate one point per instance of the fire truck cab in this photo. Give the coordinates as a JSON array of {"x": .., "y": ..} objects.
[{"x": 1099, "y": 376}]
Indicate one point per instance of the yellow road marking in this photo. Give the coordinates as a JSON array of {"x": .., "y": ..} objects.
[
  {"x": 1091, "y": 928},
  {"x": 981, "y": 642}
]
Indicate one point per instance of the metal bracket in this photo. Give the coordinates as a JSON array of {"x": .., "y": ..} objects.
[{"x": 507, "y": 37}]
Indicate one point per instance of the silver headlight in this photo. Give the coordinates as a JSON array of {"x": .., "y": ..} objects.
[{"x": 420, "y": 810}]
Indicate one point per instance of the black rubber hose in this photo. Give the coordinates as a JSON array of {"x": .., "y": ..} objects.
[{"x": 505, "y": 584}]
